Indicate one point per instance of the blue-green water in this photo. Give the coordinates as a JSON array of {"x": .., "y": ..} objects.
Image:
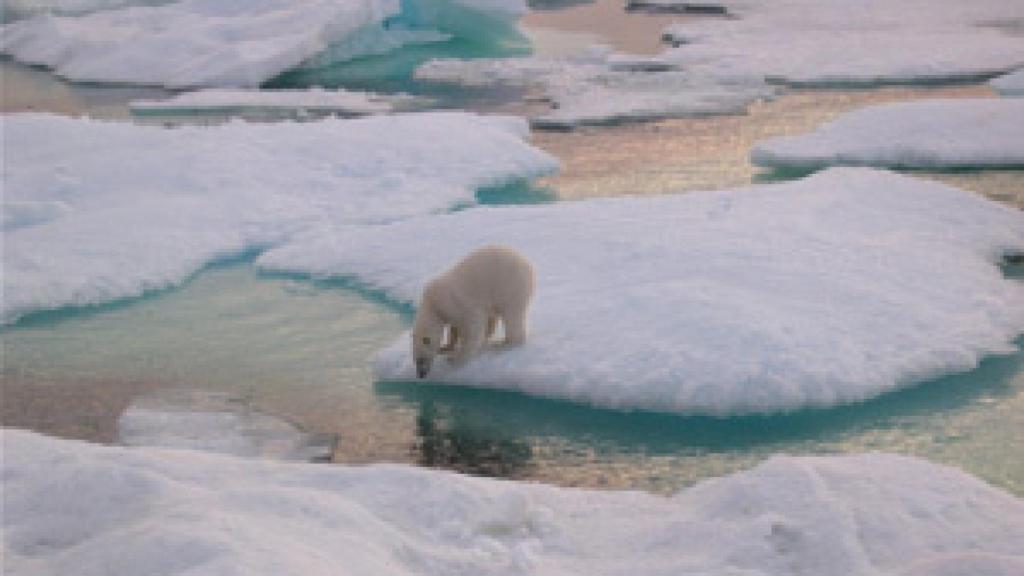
[{"x": 301, "y": 350}]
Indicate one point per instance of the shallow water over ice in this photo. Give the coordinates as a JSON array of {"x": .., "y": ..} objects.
[{"x": 300, "y": 351}]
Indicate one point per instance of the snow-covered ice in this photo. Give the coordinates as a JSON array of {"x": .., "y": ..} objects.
[
  {"x": 823, "y": 291},
  {"x": 958, "y": 133},
  {"x": 1011, "y": 84},
  {"x": 808, "y": 42},
  {"x": 602, "y": 87},
  {"x": 107, "y": 210},
  {"x": 230, "y": 43},
  {"x": 91, "y": 510},
  {"x": 313, "y": 100},
  {"x": 14, "y": 9}
]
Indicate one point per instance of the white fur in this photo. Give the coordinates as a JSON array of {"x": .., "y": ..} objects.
[{"x": 492, "y": 283}]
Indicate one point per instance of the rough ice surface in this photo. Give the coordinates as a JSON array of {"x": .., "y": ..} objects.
[
  {"x": 827, "y": 290},
  {"x": 225, "y": 43},
  {"x": 345, "y": 103},
  {"x": 808, "y": 42},
  {"x": 14, "y": 9},
  {"x": 601, "y": 87},
  {"x": 1011, "y": 84},
  {"x": 959, "y": 133},
  {"x": 107, "y": 210},
  {"x": 215, "y": 424},
  {"x": 76, "y": 508}
]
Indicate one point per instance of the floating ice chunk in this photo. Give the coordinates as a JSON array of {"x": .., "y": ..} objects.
[
  {"x": 214, "y": 424},
  {"x": 1011, "y": 84},
  {"x": 806, "y": 42},
  {"x": 281, "y": 102},
  {"x": 920, "y": 134},
  {"x": 824, "y": 291},
  {"x": 676, "y": 7},
  {"x": 601, "y": 87},
  {"x": 236, "y": 43},
  {"x": 144, "y": 207},
  {"x": 191, "y": 513}
]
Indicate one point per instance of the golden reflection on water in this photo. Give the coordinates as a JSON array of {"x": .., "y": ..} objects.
[{"x": 708, "y": 153}]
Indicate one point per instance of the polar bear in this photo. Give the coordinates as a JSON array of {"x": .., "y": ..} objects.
[{"x": 491, "y": 283}]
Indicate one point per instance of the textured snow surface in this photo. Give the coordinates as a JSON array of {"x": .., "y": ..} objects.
[
  {"x": 341, "y": 102},
  {"x": 601, "y": 87},
  {"x": 877, "y": 41},
  {"x": 919, "y": 134},
  {"x": 1011, "y": 84},
  {"x": 224, "y": 43},
  {"x": 96, "y": 211},
  {"x": 75, "y": 508},
  {"x": 823, "y": 291}
]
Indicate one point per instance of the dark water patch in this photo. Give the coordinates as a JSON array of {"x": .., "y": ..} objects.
[
  {"x": 446, "y": 441},
  {"x": 515, "y": 193}
]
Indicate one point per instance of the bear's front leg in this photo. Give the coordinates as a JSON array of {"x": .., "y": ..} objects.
[
  {"x": 453, "y": 340},
  {"x": 472, "y": 340}
]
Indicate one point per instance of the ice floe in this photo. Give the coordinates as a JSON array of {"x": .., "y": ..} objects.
[
  {"x": 1011, "y": 84},
  {"x": 105, "y": 210},
  {"x": 212, "y": 422},
  {"x": 235, "y": 43},
  {"x": 602, "y": 87},
  {"x": 15, "y": 9},
  {"x": 828, "y": 290},
  {"x": 313, "y": 101},
  {"x": 806, "y": 42},
  {"x": 958, "y": 133},
  {"x": 91, "y": 510}
]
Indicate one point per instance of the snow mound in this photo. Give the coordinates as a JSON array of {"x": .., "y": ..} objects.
[
  {"x": 602, "y": 87},
  {"x": 807, "y": 42},
  {"x": 975, "y": 133},
  {"x": 105, "y": 211},
  {"x": 233, "y": 43},
  {"x": 345, "y": 103},
  {"x": 90, "y": 510},
  {"x": 823, "y": 291},
  {"x": 1011, "y": 84}
]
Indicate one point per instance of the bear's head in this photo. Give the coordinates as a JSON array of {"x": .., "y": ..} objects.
[{"x": 426, "y": 341}]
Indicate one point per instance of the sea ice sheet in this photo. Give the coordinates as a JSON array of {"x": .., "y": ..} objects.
[
  {"x": 226, "y": 43},
  {"x": 960, "y": 133},
  {"x": 313, "y": 100},
  {"x": 823, "y": 291},
  {"x": 807, "y": 42},
  {"x": 180, "y": 512},
  {"x": 106, "y": 210},
  {"x": 602, "y": 87}
]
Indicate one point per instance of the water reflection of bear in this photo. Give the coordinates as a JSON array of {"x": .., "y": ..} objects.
[{"x": 446, "y": 442}]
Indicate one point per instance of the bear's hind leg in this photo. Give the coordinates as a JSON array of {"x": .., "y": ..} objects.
[{"x": 492, "y": 325}]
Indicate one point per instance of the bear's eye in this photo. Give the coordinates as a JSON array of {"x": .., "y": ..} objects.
[{"x": 426, "y": 340}]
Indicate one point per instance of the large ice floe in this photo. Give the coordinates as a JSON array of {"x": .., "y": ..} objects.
[
  {"x": 96, "y": 211},
  {"x": 603, "y": 87},
  {"x": 808, "y": 42},
  {"x": 237, "y": 43},
  {"x": 972, "y": 133},
  {"x": 828, "y": 290},
  {"x": 76, "y": 508}
]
